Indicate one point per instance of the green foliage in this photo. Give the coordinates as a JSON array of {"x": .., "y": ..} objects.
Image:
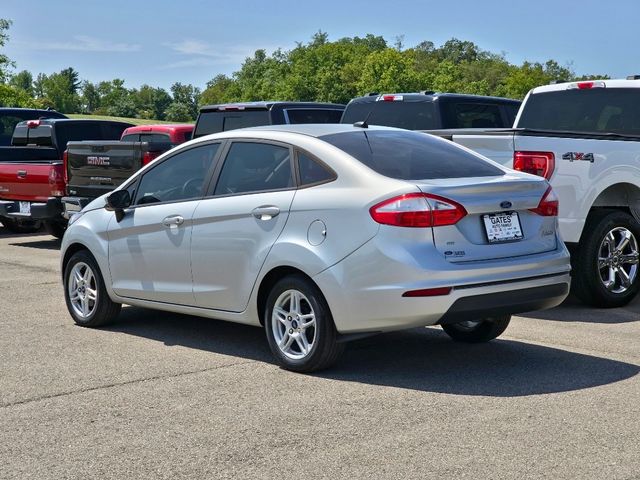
[
  {"x": 23, "y": 81},
  {"x": 62, "y": 90},
  {"x": 15, "y": 97},
  {"x": 186, "y": 95},
  {"x": 5, "y": 63},
  {"x": 178, "y": 112}
]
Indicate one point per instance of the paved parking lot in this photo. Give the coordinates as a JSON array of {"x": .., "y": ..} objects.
[{"x": 160, "y": 395}]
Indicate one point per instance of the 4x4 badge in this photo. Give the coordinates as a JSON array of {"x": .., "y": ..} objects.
[{"x": 578, "y": 156}]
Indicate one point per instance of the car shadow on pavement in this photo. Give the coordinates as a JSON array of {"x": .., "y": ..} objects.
[
  {"x": 423, "y": 359},
  {"x": 572, "y": 310},
  {"x": 47, "y": 243}
]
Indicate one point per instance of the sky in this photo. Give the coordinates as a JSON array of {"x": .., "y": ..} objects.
[{"x": 191, "y": 41}]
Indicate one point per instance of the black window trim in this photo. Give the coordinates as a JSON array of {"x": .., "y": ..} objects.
[
  {"x": 213, "y": 183},
  {"x": 137, "y": 178},
  {"x": 298, "y": 180}
]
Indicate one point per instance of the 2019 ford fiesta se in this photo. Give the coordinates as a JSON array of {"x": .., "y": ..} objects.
[{"x": 321, "y": 234}]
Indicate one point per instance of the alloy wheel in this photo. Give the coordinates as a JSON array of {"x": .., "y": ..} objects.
[
  {"x": 618, "y": 260},
  {"x": 82, "y": 289},
  {"x": 293, "y": 324}
]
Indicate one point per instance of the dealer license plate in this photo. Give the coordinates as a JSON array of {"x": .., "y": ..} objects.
[
  {"x": 502, "y": 227},
  {"x": 25, "y": 208}
]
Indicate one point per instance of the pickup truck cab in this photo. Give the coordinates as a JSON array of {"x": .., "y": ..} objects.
[
  {"x": 584, "y": 137},
  {"x": 432, "y": 111},
  {"x": 93, "y": 168},
  {"x": 31, "y": 169},
  {"x": 10, "y": 117},
  {"x": 229, "y": 116}
]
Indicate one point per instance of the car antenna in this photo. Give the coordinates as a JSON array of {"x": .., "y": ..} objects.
[{"x": 363, "y": 123}]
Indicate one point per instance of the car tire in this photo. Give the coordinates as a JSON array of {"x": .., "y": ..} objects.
[
  {"x": 55, "y": 229},
  {"x": 603, "y": 255},
  {"x": 20, "y": 226},
  {"x": 479, "y": 331},
  {"x": 299, "y": 326},
  {"x": 84, "y": 292}
]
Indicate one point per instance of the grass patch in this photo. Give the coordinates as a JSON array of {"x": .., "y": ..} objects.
[{"x": 135, "y": 121}]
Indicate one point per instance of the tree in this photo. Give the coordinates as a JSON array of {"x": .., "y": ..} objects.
[
  {"x": 90, "y": 98},
  {"x": 151, "y": 102},
  {"x": 23, "y": 81},
  {"x": 220, "y": 89},
  {"x": 61, "y": 89},
  {"x": 15, "y": 97},
  {"x": 178, "y": 112},
  {"x": 5, "y": 63},
  {"x": 187, "y": 95}
]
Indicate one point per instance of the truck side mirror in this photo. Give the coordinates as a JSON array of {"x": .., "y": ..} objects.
[{"x": 117, "y": 202}]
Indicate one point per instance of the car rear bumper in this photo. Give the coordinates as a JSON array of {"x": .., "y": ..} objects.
[
  {"x": 365, "y": 290},
  {"x": 51, "y": 209}
]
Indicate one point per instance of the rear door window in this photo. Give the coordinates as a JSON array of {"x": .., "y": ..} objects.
[
  {"x": 411, "y": 155},
  {"x": 595, "y": 110},
  {"x": 255, "y": 167}
]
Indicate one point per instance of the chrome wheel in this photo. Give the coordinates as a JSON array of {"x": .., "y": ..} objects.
[
  {"x": 618, "y": 260},
  {"x": 82, "y": 290},
  {"x": 293, "y": 323}
]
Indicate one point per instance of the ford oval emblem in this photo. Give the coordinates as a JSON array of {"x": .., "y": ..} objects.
[{"x": 506, "y": 204}]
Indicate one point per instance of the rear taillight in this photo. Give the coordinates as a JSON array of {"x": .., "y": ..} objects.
[
  {"x": 56, "y": 180},
  {"x": 33, "y": 123},
  {"x": 390, "y": 98},
  {"x": 65, "y": 165},
  {"x": 428, "y": 292},
  {"x": 149, "y": 157},
  {"x": 548, "y": 206},
  {"x": 586, "y": 85},
  {"x": 417, "y": 210},
  {"x": 537, "y": 163}
]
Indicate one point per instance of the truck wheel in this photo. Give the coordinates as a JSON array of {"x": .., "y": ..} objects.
[
  {"x": 55, "y": 229},
  {"x": 299, "y": 326},
  {"x": 20, "y": 226},
  {"x": 477, "y": 331},
  {"x": 84, "y": 292},
  {"x": 605, "y": 264}
]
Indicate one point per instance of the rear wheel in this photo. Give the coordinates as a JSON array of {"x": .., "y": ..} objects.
[
  {"x": 605, "y": 263},
  {"x": 299, "y": 326},
  {"x": 84, "y": 292},
  {"x": 20, "y": 226},
  {"x": 55, "y": 228},
  {"x": 478, "y": 331}
]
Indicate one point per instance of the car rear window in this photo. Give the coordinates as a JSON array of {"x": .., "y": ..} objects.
[
  {"x": 220, "y": 121},
  {"x": 472, "y": 115},
  {"x": 411, "y": 155},
  {"x": 401, "y": 114},
  {"x": 313, "y": 115},
  {"x": 595, "y": 110}
]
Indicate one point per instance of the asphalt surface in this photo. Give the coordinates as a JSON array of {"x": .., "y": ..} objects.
[{"x": 168, "y": 396}]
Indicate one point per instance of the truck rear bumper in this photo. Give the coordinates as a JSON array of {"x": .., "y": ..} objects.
[
  {"x": 51, "y": 209},
  {"x": 72, "y": 205}
]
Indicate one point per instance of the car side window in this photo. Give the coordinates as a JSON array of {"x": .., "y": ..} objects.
[
  {"x": 312, "y": 171},
  {"x": 255, "y": 167},
  {"x": 180, "y": 177}
]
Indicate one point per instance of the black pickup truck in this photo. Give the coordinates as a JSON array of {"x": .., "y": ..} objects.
[
  {"x": 432, "y": 111},
  {"x": 10, "y": 117},
  {"x": 32, "y": 180},
  {"x": 229, "y": 116}
]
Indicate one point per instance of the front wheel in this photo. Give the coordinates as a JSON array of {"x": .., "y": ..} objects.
[
  {"x": 299, "y": 326},
  {"x": 605, "y": 264},
  {"x": 84, "y": 292},
  {"x": 477, "y": 331}
]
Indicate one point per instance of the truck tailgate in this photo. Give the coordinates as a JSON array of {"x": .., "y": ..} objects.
[
  {"x": 33, "y": 181},
  {"x": 498, "y": 147}
]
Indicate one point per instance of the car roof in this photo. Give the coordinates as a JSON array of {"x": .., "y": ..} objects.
[
  {"x": 309, "y": 129},
  {"x": 572, "y": 85}
]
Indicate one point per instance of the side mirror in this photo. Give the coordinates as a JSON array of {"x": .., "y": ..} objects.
[{"x": 117, "y": 202}]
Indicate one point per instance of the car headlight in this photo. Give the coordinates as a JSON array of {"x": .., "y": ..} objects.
[{"x": 75, "y": 217}]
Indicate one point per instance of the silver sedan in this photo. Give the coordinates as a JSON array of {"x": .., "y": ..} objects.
[{"x": 321, "y": 234}]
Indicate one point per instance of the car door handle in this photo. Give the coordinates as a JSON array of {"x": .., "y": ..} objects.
[
  {"x": 266, "y": 212},
  {"x": 173, "y": 220}
]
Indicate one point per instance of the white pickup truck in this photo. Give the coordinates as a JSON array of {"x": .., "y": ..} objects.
[{"x": 584, "y": 137}]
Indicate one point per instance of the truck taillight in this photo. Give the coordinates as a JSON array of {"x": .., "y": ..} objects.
[
  {"x": 65, "y": 166},
  {"x": 586, "y": 85},
  {"x": 390, "y": 98},
  {"x": 149, "y": 157},
  {"x": 537, "y": 163},
  {"x": 33, "y": 123},
  {"x": 548, "y": 206},
  {"x": 56, "y": 180},
  {"x": 417, "y": 210}
]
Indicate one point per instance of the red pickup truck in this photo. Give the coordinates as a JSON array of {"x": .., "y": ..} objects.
[{"x": 32, "y": 172}]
